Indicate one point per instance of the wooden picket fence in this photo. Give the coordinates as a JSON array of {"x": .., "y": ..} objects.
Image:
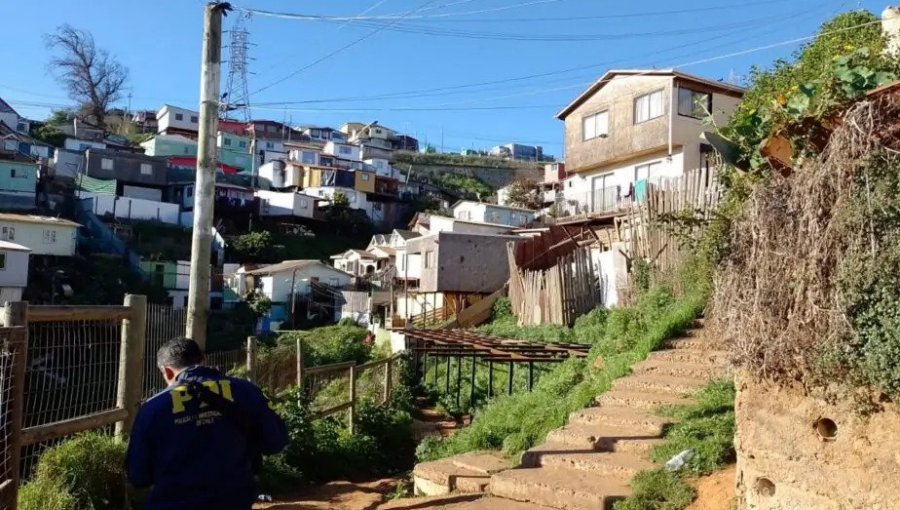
[{"x": 557, "y": 295}]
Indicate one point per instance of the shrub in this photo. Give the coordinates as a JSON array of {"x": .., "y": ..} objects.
[
  {"x": 329, "y": 344},
  {"x": 658, "y": 490},
  {"x": 88, "y": 469},
  {"x": 46, "y": 495}
]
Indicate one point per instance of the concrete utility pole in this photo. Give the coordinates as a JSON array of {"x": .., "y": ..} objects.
[{"x": 205, "y": 187}]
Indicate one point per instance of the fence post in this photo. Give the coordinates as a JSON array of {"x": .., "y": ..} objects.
[
  {"x": 352, "y": 398},
  {"x": 131, "y": 362},
  {"x": 251, "y": 358},
  {"x": 388, "y": 367},
  {"x": 16, "y": 315},
  {"x": 300, "y": 364}
]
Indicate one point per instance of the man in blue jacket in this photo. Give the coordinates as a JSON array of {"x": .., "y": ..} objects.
[{"x": 199, "y": 442}]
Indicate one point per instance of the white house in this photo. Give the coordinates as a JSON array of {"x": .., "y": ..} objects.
[
  {"x": 480, "y": 212},
  {"x": 437, "y": 224},
  {"x": 358, "y": 200},
  {"x": 382, "y": 167},
  {"x": 68, "y": 164},
  {"x": 287, "y": 203},
  {"x": 277, "y": 280},
  {"x": 43, "y": 235},
  {"x": 356, "y": 262},
  {"x": 342, "y": 150},
  {"x": 174, "y": 120},
  {"x": 13, "y": 271}
]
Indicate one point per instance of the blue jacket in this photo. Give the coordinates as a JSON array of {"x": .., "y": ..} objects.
[{"x": 195, "y": 458}]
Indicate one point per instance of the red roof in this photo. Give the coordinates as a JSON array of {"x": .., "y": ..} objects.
[
  {"x": 191, "y": 162},
  {"x": 234, "y": 127}
]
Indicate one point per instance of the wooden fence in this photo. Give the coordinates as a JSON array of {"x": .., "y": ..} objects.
[
  {"x": 675, "y": 211},
  {"x": 557, "y": 295}
]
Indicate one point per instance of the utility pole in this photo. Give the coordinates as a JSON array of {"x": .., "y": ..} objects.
[{"x": 205, "y": 184}]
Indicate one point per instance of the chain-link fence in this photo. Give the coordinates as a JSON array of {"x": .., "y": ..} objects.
[
  {"x": 11, "y": 358},
  {"x": 163, "y": 324}
]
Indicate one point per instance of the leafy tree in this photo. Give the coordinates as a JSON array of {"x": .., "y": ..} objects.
[
  {"x": 524, "y": 193},
  {"x": 253, "y": 245},
  {"x": 340, "y": 200},
  {"x": 90, "y": 75},
  {"x": 429, "y": 149}
]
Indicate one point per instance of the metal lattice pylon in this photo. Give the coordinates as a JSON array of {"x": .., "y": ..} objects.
[{"x": 236, "y": 100}]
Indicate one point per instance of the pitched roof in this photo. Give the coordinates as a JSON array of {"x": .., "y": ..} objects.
[
  {"x": 406, "y": 234},
  {"x": 30, "y": 218},
  {"x": 8, "y": 246},
  {"x": 612, "y": 73},
  {"x": 291, "y": 265},
  {"x": 6, "y": 108},
  {"x": 498, "y": 206}
]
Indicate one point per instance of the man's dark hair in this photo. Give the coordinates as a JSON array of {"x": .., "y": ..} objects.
[{"x": 179, "y": 352}]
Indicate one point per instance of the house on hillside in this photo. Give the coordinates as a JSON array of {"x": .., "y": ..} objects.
[
  {"x": 172, "y": 120},
  {"x": 12, "y": 119},
  {"x": 174, "y": 277},
  {"x": 43, "y": 235},
  {"x": 480, "y": 212},
  {"x": 81, "y": 145},
  {"x": 18, "y": 182},
  {"x": 13, "y": 271},
  {"x": 449, "y": 271},
  {"x": 137, "y": 175},
  {"x": 293, "y": 285},
  {"x": 170, "y": 145},
  {"x": 289, "y": 203},
  {"x": 356, "y": 262},
  {"x": 426, "y": 223},
  {"x": 636, "y": 128}
]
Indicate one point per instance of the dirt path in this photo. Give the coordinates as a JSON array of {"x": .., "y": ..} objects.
[
  {"x": 716, "y": 491},
  {"x": 340, "y": 495}
]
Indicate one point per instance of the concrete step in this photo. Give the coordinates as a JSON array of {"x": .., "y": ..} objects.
[
  {"x": 553, "y": 455},
  {"x": 568, "y": 489},
  {"x": 709, "y": 357},
  {"x": 647, "y": 400},
  {"x": 621, "y": 416},
  {"x": 705, "y": 371},
  {"x": 467, "y": 473},
  {"x": 602, "y": 437},
  {"x": 666, "y": 384}
]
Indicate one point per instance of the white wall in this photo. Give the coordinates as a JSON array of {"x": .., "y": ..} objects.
[
  {"x": 445, "y": 224},
  {"x": 358, "y": 199},
  {"x": 382, "y": 167},
  {"x": 142, "y": 193},
  {"x": 274, "y": 203},
  {"x": 10, "y": 119},
  {"x": 341, "y": 150},
  {"x": 469, "y": 211},
  {"x": 68, "y": 164},
  {"x": 167, "y": 118},
  {"x": 15, "y": 271},
  {"x": 578, "y": 186},
  {"x": 43, "y": 238},
  {"x": 415, "y": 304},
  {"x": 74, "y": 144},
  {"x": 183, "y": 275},
  {"x": 503, "y": 195},
  {"x": 409, "y": 265},
  {"x": 134, "y": 208},
  {"x": 277, "y": 287}
]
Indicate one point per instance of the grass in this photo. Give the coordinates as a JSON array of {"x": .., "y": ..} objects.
[
  {"x": 624, "y": 337},
  {"x": 707, "y": 427},
  {"x": 85, "y": 472}
]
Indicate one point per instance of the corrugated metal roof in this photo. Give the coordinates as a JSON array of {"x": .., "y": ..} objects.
[
  {"x": 99, "y": 186},
  {"x": 30, "y": 218}
]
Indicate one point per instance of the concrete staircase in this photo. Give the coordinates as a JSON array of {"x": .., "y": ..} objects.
[{"x": 588, "y": 463}]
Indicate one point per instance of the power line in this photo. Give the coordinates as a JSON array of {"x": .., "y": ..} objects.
[
  {"x": 393, "y": 17},
  {"x": 339, "y": 50}
]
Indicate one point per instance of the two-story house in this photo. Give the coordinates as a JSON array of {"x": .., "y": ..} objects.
[
  {"x": 172, "y": 120},
  {"x": 634, "y": 128},
  {"x": 137, "y": 176},
  {"x": 170, "y": 145},
  {"x": 468, "y": 210},
  {"x": 18, "y": 181}
]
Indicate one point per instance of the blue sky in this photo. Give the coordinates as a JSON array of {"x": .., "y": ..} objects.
[{"x": 436, "y": 46}]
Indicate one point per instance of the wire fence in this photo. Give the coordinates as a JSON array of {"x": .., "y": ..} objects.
[
  {"x": 8, "y": 468},
  {"x": 227, "y": 362},
  {"x": 163, "y": 323}
]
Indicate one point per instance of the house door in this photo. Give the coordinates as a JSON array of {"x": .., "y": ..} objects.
[{"x": 603, "y": 194}]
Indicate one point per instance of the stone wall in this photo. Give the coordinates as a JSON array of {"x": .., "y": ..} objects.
[
  {"x": 796, "y": 452},
  {"x": 493, "y": 177}
]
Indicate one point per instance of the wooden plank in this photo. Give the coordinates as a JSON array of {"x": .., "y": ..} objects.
[
  {"x": 46, "y": 432},
  {"x": 334, "y": 367},
  {"x": 78, "y": 313},
  {"x": 332, "y": 410}
]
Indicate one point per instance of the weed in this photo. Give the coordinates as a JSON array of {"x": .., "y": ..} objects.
[{"x": 658, "y": 490}]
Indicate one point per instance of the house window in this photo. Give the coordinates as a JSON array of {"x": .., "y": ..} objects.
[
  {"x": 242, "y": 144},
  {"x": 49, "y": 236},
  {"x": 270, "y": 145},
  {"x": 2, "y": 261},
  {"x": 146, "y": 169},
  {"x": 194, "y": 119},
  {"x": 8, "y": 233},
  {"x": 179, "y": 116},
  {"x": 334, "y": 282},
  {"x": 694, "y": 104},
  {"x": 308, "y": 158},
  {"x": 226, "y": 142},
  {"x": 343, "y": 149},
  {"x": 646, "y": 171},
  {"x": 429, "y": 259},
  {"x": 596, "y": 125},
  {"x": 106, "y": 164},
  {"x": 189, "y": 191},
  {"x": 365, "y": 177},
  {"x": 304, "y": 204},
  {"x": 649, "y": 106}
]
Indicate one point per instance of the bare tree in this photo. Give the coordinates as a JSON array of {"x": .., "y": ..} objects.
[{"x": 91, "y": 76}]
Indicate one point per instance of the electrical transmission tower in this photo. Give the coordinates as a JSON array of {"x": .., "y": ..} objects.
[{"x": 236, "y": 100}]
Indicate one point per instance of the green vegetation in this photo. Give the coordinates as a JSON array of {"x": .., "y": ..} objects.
[
  {"x": 87, "y": 471},
  {"x": 837, "y": 67},
  {"x": 707, "y": 427},
  {"x": 621, "y": 338},
  {"x": 525, "y": 193},
  {"x": 417, "y": 158},
  {"x": 329, "y": 344},
  {"x": 470, "y": 187}
]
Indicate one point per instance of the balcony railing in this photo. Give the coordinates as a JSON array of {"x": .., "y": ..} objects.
[
  {"x": 551, "y": 196},
  {"x": 602, "y": 201}
]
